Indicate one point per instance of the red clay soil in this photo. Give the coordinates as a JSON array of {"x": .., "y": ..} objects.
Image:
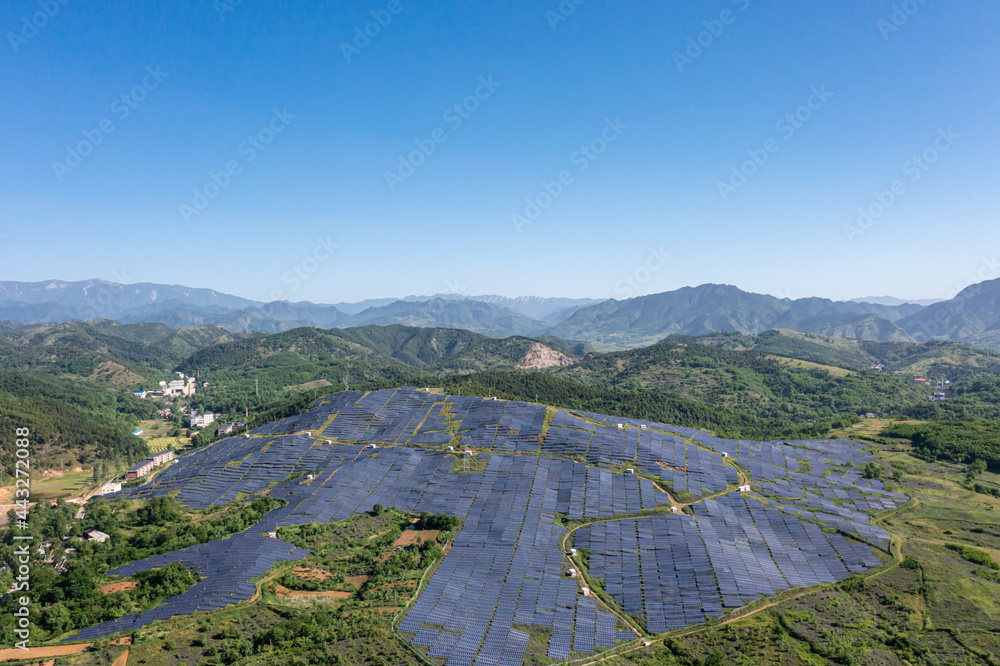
[
  {"x": 120, "y": 586},
  {"x": 306, "y": 573},
  {"x": 42, "y": 652},
  {"x": 336, "y": 594},
  {"x": 411, "y": 537}
]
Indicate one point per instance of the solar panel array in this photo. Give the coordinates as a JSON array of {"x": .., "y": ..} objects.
[{"x": 506, "y": 566}]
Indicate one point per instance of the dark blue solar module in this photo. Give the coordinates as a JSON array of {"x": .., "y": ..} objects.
[{"x": 505, "y": 566}]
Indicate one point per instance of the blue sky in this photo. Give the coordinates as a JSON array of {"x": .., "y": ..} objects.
[{"x": 602, "y": 152}]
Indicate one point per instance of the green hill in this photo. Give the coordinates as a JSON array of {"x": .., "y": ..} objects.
[
  {"x": 155, "y": 346},
  {"x": 71, "y": 422},
  {"x": 751, "y": 381},
  {"x": 955, "y": 361},
  {"x": 451, "y": 350}
]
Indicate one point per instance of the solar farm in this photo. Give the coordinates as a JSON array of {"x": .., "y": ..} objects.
[{"x": 554, "y": 480}]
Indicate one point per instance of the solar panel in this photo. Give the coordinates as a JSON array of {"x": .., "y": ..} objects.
[{"x": 505, "y": 566}]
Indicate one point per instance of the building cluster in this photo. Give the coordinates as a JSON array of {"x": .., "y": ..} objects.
[
  {"x": 944, "y": 391},
  {"x": 185, "y": 386},
  {"x": 143, "y": 468},
  {"x": 196, "y": 420}
]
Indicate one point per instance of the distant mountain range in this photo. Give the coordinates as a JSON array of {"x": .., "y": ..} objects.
[
  {"x": 892, "y": 300},
  {"x": 973, "y": 316}
]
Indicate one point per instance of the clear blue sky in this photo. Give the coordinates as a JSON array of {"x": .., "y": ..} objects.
[{"x": 679, "y": 127}]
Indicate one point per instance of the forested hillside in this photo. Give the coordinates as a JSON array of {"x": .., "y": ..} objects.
[
  {"x": 70, "y": 423},
  {"x": 934, "y": 359}
]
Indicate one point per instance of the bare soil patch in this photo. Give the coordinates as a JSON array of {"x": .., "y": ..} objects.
[
  {"x": 308, "y": 386},
  {"x": 42, "y": 652},
  {"x": 540, "y": 356},
  {"x": 120, "y": 586},
  {"x": 412, "y": 537},
  {"x": 335, "y": 594},
  {"x": 356, "y": 581},
  {"x": 306, "y": 573}
]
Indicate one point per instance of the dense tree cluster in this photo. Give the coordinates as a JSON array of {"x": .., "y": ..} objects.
[
  {"x": 962, "y": 441},
  {"x": 67, "y": 421}
]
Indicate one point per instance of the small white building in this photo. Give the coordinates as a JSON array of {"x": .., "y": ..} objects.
[
  {"x": 202, "y": 421},
  {"x": 744, "y": 489},
  {"x": 673, "y": 509},
  {"x": 572, "y": 573},
  {"x": 585, "y": 591},
  {"x": 629, "y": 470},
  {"x": 96, "y": 535},
  {"x": 110, "y": 487}
]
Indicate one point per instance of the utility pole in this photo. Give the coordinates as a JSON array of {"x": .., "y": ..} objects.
[{"x": 256, "y": 387}]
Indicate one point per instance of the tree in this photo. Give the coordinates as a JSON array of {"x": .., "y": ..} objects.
[
  {"x": 976, "y": 468},
  {"x": 872, "y": 471},
  {"x": 717, "y": 658}
]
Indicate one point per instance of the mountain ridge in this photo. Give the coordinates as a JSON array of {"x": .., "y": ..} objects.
[{"x": 971, "y": 316}]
